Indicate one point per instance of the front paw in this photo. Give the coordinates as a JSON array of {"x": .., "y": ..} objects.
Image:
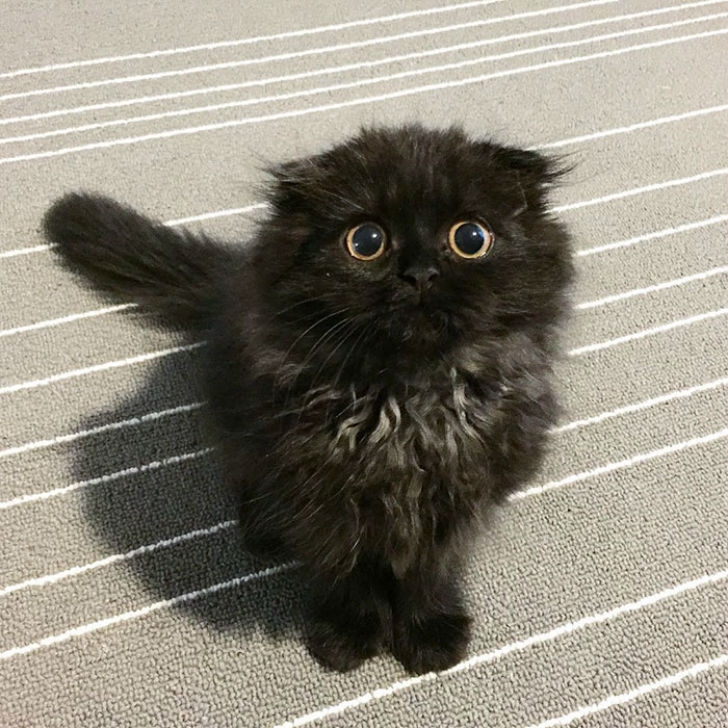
[
  {"x": 432, "y": 643},
  {"x": 342, "y": 647}
]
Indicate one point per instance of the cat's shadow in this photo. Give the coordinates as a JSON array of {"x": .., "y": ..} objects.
[{"x": 161, "y": 503}]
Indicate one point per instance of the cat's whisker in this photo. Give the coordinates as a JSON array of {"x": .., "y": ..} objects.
[
  {"x": 322, "y": 339},
  {"x": 301, "y": 366},
  {"x": 317, "y": 323},
  {"x": 328, "y": 392},
  {"x": 326, "y": 336},
  {"x": 354, "y": 328},
  {"x": 341, "y": 413},
  {"x": 304, "y": 302},
  {"x": 365, "y": 331}
]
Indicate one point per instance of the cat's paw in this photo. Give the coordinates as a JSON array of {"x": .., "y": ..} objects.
[
  {"x": 342, "y": 647},
  {"x": 433, "y": 643}
]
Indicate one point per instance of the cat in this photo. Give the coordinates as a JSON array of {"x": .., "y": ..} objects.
[{"x": 378, "y": 362}]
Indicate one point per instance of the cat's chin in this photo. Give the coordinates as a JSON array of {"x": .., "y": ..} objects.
[{"x": 418, "y": 327}]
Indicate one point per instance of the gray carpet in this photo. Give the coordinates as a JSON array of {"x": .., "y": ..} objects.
[{"x": 599, "y": 594}]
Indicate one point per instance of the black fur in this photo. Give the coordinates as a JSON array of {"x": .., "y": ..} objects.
[{"x": 365, "y": 424}]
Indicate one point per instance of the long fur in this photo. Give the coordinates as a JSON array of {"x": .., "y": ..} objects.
[
  {"x": 174, "y": 273},
  {"x": 366, "y": 425}
]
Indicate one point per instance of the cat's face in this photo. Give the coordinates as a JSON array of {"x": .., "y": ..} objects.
[{"x": 423, "y": 238}]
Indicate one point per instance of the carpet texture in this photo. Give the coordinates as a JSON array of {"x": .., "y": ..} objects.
[{"x": 599, "y": 593}]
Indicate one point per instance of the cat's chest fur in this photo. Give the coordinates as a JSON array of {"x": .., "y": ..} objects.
[
  {"x": 403, "y": 464},
  {"x": 418, "y": 428}
]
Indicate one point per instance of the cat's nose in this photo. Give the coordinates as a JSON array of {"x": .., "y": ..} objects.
[{"x": 420, "y": 276}]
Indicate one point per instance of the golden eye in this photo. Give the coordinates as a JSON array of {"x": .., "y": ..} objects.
[
  {"x": 365, "y": 241},
  {"x": 470, "y": 239}
]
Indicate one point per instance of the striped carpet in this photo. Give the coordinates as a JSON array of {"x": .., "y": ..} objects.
[{"x": 599, "y": 592}]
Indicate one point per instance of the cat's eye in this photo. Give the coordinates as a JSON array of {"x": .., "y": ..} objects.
[
  {"x": 470, "y": 239},
  {"x": 365, "y": 241}
]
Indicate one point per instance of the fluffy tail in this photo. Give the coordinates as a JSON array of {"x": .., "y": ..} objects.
[{"x": 171, "y": 272}]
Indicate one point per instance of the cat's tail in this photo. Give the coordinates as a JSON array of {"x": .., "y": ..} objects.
[{"x": 171, "y": 272}]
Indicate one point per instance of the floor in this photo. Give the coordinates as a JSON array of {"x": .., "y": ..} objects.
[{"x": 599, "y": 593}]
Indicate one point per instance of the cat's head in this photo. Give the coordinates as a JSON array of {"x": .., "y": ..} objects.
[{"x": 421, "y": 239}]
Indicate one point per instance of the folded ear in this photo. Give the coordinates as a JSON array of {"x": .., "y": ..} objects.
[{"x": 533, "y": 173}]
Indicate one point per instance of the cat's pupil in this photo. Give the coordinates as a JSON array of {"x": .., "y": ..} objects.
[
  {"x": 469, "y": 238},
  {"x": 367, "y": 240}
]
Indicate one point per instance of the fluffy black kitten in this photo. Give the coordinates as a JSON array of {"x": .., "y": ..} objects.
[{"x": 378, "y": 364}]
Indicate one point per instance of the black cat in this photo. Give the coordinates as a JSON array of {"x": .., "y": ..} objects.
[{"x": 378, "y": 364}]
